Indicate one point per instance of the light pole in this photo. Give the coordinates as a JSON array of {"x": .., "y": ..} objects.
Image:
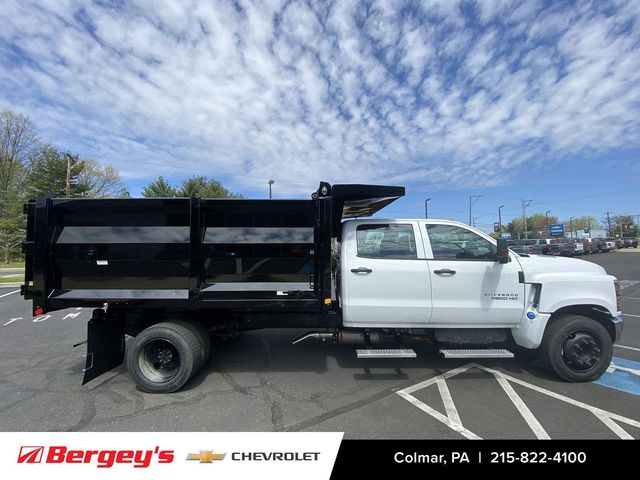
[
  {"x": 525, "y": 204},
  {"x": 571, "y": 227},
  {"x": 472, "y": 199},
  {"x": 426, "y": 208},
  {"x": 500, "y": 220},
  {"x": 474, "y": 222},
  {"x": 271, "y": 182},
  {"x": 546, "y": 220}
]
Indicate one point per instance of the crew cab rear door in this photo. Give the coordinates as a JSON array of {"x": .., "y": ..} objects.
[
  {"x": 468, "y": 286},
  {"x": 384, "y": 275}
]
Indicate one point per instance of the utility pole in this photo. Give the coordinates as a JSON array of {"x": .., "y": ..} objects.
[
  {"x": 609, "y": 224},
  {"x": 474, "y": 222},
  {"x": 68, "y": 184},
  {"x": 472, "y": 199},
  {"x": 271, "y": 182},
  {"x": 426, "y": 208},
  {"x": 500, "y": 220},
  {"x": 546, "y": 221},
  {"x": 571, "y": 227},
  {"x": 525, "y": 204}
]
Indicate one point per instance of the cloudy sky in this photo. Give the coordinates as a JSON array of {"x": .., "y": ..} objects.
[{"x": 536, "y": 100}]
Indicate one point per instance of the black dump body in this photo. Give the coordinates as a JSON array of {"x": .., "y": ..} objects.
[{"x": 190, "y": 254}]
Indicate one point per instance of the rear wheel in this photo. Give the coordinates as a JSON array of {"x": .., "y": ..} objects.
[
  {"x": 163, "y": 357},
  {"x": 577, "y": 348},
  {"x": 205, "y": 340}
]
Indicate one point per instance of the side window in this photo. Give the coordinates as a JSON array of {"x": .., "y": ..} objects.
[
  {"x": 386, "y": 241},
  {"x": 449, "y": 242}
]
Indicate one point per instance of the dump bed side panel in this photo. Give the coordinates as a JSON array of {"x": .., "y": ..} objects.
[{"x": 179, "y": 253}]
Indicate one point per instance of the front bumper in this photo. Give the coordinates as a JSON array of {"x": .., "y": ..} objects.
[{"x": 618, "y": 324}]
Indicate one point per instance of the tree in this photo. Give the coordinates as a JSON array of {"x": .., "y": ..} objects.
[
  {"x": 100, "y": 181},
  {"x": 47, "y": 175},
  {"x": 625, "y": 224},
  {"x": 198, "y": 186},
  {"x": 12, "y": 229},
  {"x": 583, "y": 222},
  {"x": 204, "y": 187},
  {"x": 18, "y": 139},
  {"x": 159, "y": 188},
  {"x": 536, "y": 226}
]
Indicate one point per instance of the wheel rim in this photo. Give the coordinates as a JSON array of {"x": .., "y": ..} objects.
[
  {"x": 581, "y": 351},
  {"x": 160, "y": 360}
]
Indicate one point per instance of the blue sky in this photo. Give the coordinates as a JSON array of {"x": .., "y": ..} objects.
[{"x": 537, "y": 99}]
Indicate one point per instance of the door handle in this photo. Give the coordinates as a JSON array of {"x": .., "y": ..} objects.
[
  {"x": 361, "y": 270},
  {"x": 444, "y": 271}
]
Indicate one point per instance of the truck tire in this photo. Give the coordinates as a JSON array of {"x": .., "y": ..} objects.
[
  {"x": 205, "y": 340},
  {"x": 577, "y": 348},
  {"x": 163, "y": 357}
]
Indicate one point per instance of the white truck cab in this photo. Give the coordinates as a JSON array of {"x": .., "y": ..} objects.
[{"x": 444, "y": 276}]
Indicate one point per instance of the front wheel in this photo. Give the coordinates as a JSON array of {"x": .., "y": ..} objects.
[{"x": 577, "y": 348}]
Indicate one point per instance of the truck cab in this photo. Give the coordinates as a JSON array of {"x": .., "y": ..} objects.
[{"x": 443, "y": 275}]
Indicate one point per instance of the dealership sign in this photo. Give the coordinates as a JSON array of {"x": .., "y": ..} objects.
[{"x": 556, "y": 229}]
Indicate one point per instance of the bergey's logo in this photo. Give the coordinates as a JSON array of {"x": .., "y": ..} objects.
[
  {"x": 30, "y": 454},
  {"x": 99, "y": 458}
]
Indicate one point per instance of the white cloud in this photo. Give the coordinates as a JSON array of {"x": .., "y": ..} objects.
[{"x": 299, "y": 91}]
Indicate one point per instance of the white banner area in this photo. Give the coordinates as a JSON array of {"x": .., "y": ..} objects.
[{"x": 167, "y": 455}]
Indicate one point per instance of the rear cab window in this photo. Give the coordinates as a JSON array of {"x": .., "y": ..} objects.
[{"x": 392, "y": 241}]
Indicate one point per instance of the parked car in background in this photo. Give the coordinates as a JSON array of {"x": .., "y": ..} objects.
[
  {"x": 562, "y": 247},
  {"x": 587, "y": 245},
  {"x": 521, "y": 247},
  {"x": 619, "y": 243},
  {"x": 540, "y": 246},
  {"x": 611, "y": 243},
  {"x": 630, "y": 242},
  {"x": 599, "y": 245},
  {"x": 578, "y": 245}
]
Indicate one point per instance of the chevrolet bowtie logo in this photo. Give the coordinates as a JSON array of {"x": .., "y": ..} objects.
[{"x": 206, "y": 456}]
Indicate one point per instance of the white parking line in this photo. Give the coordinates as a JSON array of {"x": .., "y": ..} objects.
[
  {"x": 630, "y": 298},
  {"x": 629, "y": 315},
  {"x": 10, "y": 293},
  {"x": 609, "y": 419},
  {"x": 11, "y": 320},
  {"x": 532, "y": 421},
  {"x": 614, "y": 427},
  {"x": 449, "y": 406},
  {"x": 613, "y": 367},
  {"x": 628, "y": 348}
]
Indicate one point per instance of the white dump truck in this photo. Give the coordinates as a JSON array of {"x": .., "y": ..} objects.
[{"x": 170, "y": 273}]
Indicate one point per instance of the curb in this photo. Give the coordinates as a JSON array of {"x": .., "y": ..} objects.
[{"x": 10, "y": 285}]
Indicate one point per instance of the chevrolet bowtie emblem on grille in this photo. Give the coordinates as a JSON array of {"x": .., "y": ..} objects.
[{"x": 206, "y": 456}]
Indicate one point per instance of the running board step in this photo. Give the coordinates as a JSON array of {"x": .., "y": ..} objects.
[
  {"x": 476, "y": 353},
  {"x": 385, "y": 353}
]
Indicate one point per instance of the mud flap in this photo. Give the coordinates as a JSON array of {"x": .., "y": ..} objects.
[{"x": 105, "y": 345}]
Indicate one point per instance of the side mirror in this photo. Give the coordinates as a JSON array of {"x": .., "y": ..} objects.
[{"x": 503, "y": 251}]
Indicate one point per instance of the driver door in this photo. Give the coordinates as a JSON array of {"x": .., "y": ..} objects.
[{"x": 468, "y": 287}]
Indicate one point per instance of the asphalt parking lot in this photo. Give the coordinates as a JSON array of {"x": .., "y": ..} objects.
[{"x": 260, "y": 382}]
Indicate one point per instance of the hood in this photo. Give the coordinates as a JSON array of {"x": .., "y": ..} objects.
[{"x": 543, "y": 264}]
